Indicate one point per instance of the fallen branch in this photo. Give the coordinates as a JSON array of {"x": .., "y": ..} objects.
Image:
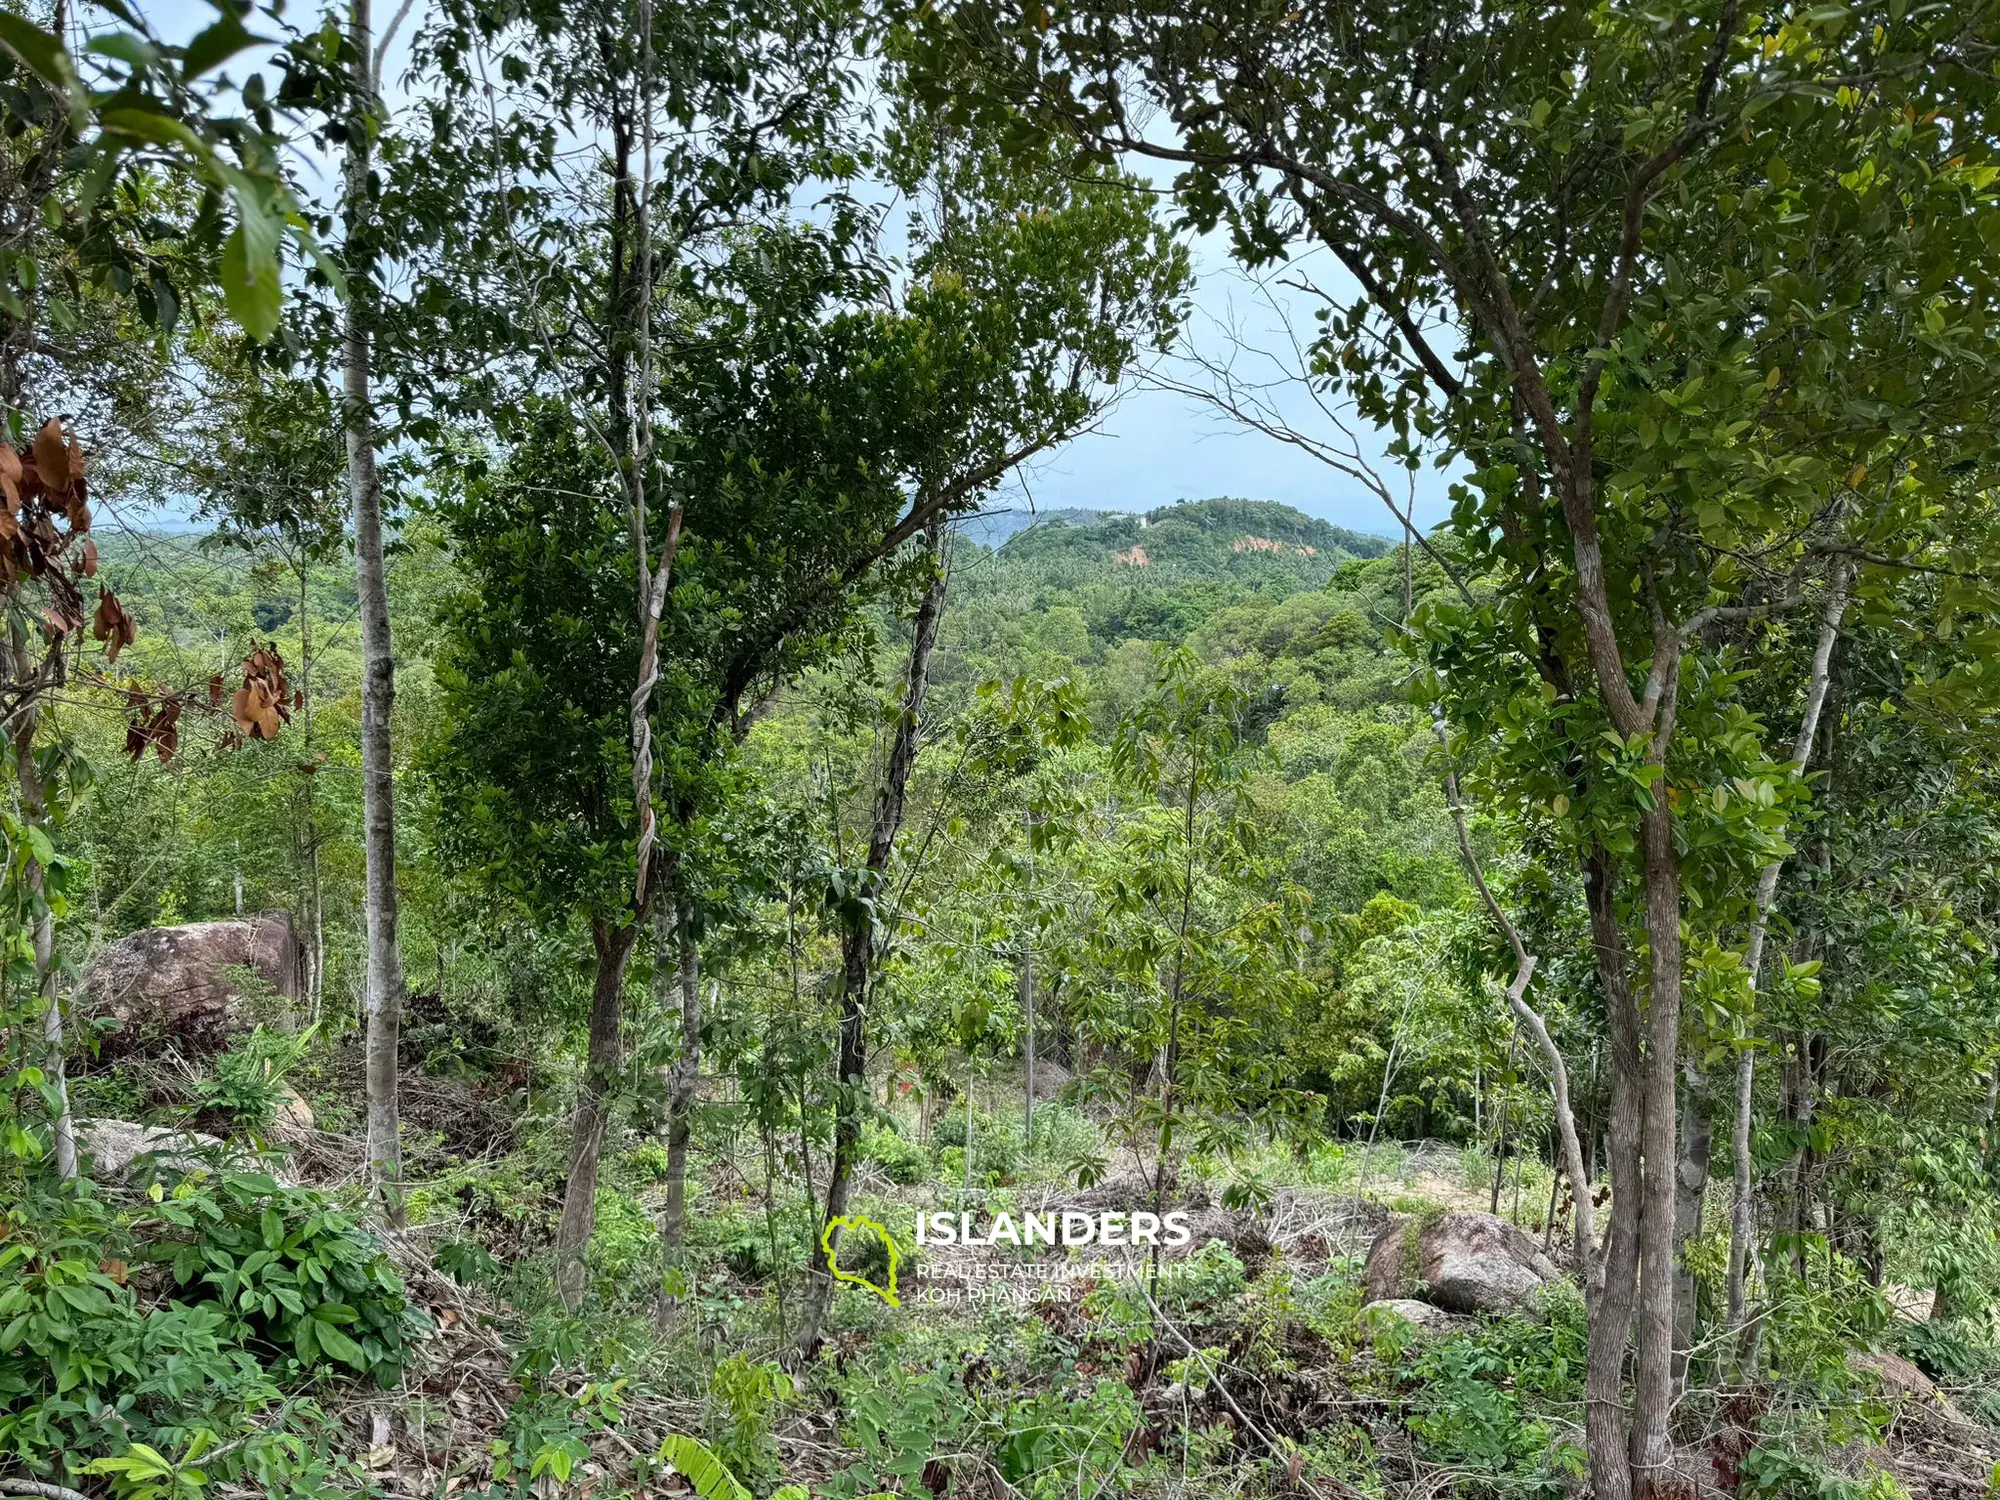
[{"x": 40, "y": 1487}]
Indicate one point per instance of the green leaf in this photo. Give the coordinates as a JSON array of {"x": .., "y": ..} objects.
[
  {"x": 153, "y": 127},
  {"x": 134, "y": 51},
  {"x": 340, "y": 1346},
  {"x": 216, "y": 45},
  {"x": 42, "y": 53},
  {"x": 701, "y": 1468},
  {"x": 250, "y": 287}
]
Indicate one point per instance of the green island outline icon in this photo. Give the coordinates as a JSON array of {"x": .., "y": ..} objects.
[{"x": 859, "y": 1222}]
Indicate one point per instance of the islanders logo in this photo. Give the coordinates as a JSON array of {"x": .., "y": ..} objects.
[{"x": 855, "y": 1223}]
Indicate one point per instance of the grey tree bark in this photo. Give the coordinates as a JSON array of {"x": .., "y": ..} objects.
[
  {"x": 600, "y": 1080},
  {"x": 686, "y": 1075},
  {"x": 861, "y": 946},
  {"x": 1585, "y": 1242},
  {"x": 1742, "y": 1228},
  {"x": 1691, "y": 1185},
  {"x": 378, "y": 664}
]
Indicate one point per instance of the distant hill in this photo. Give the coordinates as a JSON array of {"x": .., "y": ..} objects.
[
  {"x": 995, "y": 528},
  {"x": 1251, "y": 541}
]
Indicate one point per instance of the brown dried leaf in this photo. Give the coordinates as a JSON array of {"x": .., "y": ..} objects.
[
  {"x": 215, "y": 690},
  {"x": 86, "y": 562},
  {"x": 10, "y": 478},
  {"x": 52, "y": 457},
  {"x": 166, "y": 731},
  {"x": 111, "y": 623}
]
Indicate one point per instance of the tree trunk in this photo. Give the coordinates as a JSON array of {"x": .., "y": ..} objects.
[
  {"x": 1652, "y": 1394},
  {"x": 861, "y": 945},
  {"x": 1611, "y": 1312},
  {"x": 378, "y": 664},
  {"x": 686, "y": 1075},
  {"x": 1691, "y": 1185},
  {"x": 34, "y": 811},
  {"x": 600, "y": 1080},
  {"x": 1025, "y": 978},
  {"x": 1742, "y": 1227},
  {"x": 316, "y": 960}
]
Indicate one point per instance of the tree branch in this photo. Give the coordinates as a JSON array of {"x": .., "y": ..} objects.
[{"x": 1552, "y": 1058}]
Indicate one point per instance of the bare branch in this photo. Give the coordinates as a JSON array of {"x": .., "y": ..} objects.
[{"x": 1524, "y": 971}]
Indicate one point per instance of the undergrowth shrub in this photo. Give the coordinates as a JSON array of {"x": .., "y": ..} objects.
[
  {"x": 624, "y": 1240},
  {"x": 247, "y": 1086},
  {"x": 996, "y": 1146},
  {"x": 293, "y": 1272},
  {"x": 899, "y": 1157},
  {"x": 182, "y": 1321},
  {"x": 744, "y": 1398},
  {"x": 1813, "y": 1322},
  {"x": 1475, "y": 1399},
  {"x": 1955, "y": 1351}
]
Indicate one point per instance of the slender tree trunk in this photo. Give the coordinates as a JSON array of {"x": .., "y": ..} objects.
[
  {"x": 378, "y": 664},
  {"x": 1652, "y": 1395},
  {"x": 34, "y": 810},
  {"x": 1499, "y": 1119},
  {"x": 1025, "y": 979},
  {"x": 1742, "y": 1224},
  {"x": 1691, "y": 1185},
  {"x": 316, "y": 961},
  {"x": 686, "y": 1076},
  {"x": 860, "y": 946},
  {"x": 1024, "y": 962},
  {"x": 1611, "y": 1312},
  {"x": 600, "y": 1081}
]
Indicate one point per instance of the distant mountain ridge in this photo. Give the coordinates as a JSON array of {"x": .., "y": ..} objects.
[{"x": 1254, "y": 541}]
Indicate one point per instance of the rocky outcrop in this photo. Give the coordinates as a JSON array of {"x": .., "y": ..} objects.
[
  {"x": 1462, "y": 1262},
  {"x": 1381, "y": 1316},
  {"x": 193, "y": 987},
  {"x": 114, "y": 1145}
]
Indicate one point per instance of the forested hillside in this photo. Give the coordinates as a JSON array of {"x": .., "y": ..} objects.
[{"x": 601, "y": 927}]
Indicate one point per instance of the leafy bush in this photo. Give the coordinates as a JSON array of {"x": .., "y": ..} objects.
[
  {"x": 290, "y": 1270},
  {"x": 625, "y": 1236},
  {"x": 1051, "y": 1445},
  {"x": 901, "y": 1158},
  {"x": 1471, "y": 1412},
  {"x": 466, "y": 1262},
  {"x": 645, "y": 1162},
  {"x": 248, "y": 1084},
  {"x": 744, "y": 1396},
  {"x": 276, "y": 1284},
  {"x": 1953, "y": 1350},
  {"x": 1062, "y": 1135},
  {"x": 996, "y": 1145},
  {"x": 1774, "y": 1471}
]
